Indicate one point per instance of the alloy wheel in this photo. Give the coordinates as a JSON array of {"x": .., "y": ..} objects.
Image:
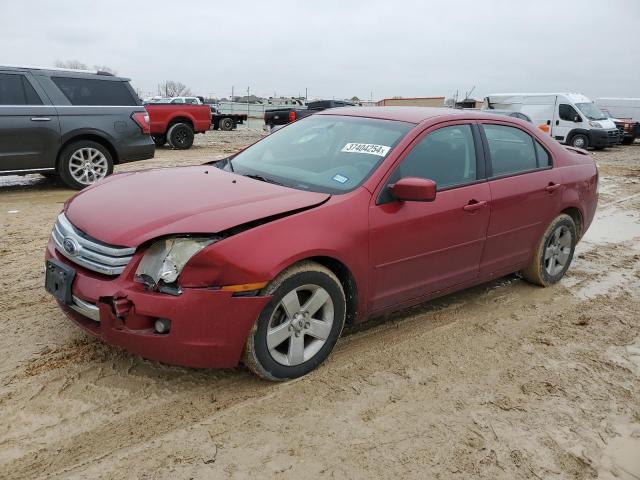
[
  {"x": 88, "y": 165},
  {"x": 300, "y": 325},
  {"x": 558, "y": 250}
]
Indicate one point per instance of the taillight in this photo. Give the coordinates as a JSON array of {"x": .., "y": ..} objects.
[
  {"x": 292, "y": 116},
  {"x": 142, "y": 119}
]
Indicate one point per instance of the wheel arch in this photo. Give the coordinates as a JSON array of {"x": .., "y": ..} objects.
[
  {"x": 576, "y": 215},
  {"x": 577, "y": 131},
  {"x": 179, "y": 119},
  {"x": 93, "y": 137},
  {"x": 344, "y": 275}
]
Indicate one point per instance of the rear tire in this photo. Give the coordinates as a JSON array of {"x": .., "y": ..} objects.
[
  {"x": 180, "y": 136},
  {"x": 159, "y": 140},
  {"x": 83, "y": 163},
  {"x": 580, "y": 141},
  {"x": 554, "y": 252},
  {"x": 226, "y": 124},
  {"x": 299, "y": 327}
]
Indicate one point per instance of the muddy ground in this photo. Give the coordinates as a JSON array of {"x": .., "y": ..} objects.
[{"x": 505, "y": 380}]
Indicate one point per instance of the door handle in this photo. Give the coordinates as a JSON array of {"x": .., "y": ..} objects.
[
  {"x": 552, "y": 187},
  {"x": 474, "y": 205},
  {"x": 557, "y": 122},
  {"x": 40, "y": 119}
]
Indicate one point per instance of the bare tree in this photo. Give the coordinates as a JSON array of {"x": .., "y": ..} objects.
[
  {"x": 78, "y": 65},
  {"x": 171, "y": 88},
  {"x": 73, "y": 64}
]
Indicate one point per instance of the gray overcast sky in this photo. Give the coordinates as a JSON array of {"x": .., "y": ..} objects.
[{"x": 339, "y": 48}]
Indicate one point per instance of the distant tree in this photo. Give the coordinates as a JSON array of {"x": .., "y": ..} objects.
[
  {"x": 78, "y": 65},
  {"x": 171, "y": 88},
  {"x": 355, "y": 100},
  {"x": 73, "y": 64}
]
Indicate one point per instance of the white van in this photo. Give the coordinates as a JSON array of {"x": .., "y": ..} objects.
[{"x": 570, "y": 118}]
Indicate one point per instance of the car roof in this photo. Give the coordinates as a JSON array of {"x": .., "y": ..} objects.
[
  {"x": 67, "y": 72},
  {"x": 409, "y": 114}
]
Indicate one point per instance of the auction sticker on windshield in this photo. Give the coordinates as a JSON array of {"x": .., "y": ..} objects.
[{"x": 370, "y": 148}]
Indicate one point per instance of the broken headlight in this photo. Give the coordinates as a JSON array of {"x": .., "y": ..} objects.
[{"x": 164, "y": 260}]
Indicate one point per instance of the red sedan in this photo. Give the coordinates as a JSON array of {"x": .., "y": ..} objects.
[{"x": 350, "y": 213}]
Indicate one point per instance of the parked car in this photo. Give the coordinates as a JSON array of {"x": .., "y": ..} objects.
[
  {"x": 570, "y": 118},
  {"x": 283, "y": 116},
  {"x": 625, "y": 112},
  {"x": 628, "y": 129},
  {"x": 178, "y": 122},
  {"x": 181, "y": 100},
  {"x": 344, "y": 215},
  {"x": 70, "y": 124}
]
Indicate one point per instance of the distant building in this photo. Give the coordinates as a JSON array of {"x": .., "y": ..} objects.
[{"x": 412, "y": 102}]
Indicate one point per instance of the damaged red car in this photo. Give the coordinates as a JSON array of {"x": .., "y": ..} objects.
[{"x": 263, "y": 257}]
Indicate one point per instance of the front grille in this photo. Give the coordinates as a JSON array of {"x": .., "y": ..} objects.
[{"x": 88, "y": 252}]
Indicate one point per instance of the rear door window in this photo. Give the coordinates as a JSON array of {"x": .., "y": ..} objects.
[
  {"x": 513, "y": 151},
  {"x": 90, "y": 91},
  {"x": 16, "y": 89}
]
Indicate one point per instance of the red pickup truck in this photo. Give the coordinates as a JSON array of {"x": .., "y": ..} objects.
[{"x": 177, "y": 123}]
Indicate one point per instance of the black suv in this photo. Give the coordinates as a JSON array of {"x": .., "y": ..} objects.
[{"x": 70, "y": 124}]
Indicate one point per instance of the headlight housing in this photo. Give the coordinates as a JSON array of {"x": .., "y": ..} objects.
[
  {"x": 595, "y": 124},
  {"x": 163, "y": 262}
]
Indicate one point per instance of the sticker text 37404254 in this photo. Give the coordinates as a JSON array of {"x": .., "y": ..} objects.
[{"x": 369, "y": 148}]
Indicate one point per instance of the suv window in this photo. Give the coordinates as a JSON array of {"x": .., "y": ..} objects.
[
  {"x": 511, "y": 149},
  {"x": 447, "y": 156},
  {"x": 90, "y": 91},
  {"x": 16, "y": 90},
  {"x": 567, "y": 112}
]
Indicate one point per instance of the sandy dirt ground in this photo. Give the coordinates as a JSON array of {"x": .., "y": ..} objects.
[{"x": 502, "y": 381}]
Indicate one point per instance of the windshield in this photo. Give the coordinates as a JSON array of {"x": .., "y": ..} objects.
[
  {"x": 591, "y": 111},
  {"x": 323, "y": 153}
]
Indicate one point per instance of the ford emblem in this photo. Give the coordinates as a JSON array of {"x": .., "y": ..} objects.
[{"x": 70, "y": 246}]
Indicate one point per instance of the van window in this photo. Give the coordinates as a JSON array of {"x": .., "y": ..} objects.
[
  {"x": 567, "y": 112},
  {"x": 447, "y": 156},
  {"x": 511, "y": 150},
  {"x": 92, "y": 91},
  {"x": 16, "y": 90}
]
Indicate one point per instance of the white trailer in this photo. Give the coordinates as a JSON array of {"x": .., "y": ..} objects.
[{"x": 570, "y": 118}]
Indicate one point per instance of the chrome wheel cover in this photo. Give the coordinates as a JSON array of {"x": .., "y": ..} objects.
[
  {"x": 300, "y": 325},
  {"x": 88, "y": 165},
  {"x": 558, "y": 250}
]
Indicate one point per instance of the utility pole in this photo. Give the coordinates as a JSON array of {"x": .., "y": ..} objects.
[{"x": 306, "y": 94}]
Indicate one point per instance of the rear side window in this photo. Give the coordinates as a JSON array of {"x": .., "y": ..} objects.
[
  {"x": 447, "y": 156},
  {"x": 511, "y": 149},
  {"x": 544, "y": 160},
  {"x": 16, "y": 90},
  {"x": 89, "y": 91}
]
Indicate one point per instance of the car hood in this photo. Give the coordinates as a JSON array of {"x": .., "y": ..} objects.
[{"x": 131, "y": 208}]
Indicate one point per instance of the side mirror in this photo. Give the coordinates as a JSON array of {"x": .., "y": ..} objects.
[
  {"x": 413, "y": 189},
  {"x": 577, "y": 119}
]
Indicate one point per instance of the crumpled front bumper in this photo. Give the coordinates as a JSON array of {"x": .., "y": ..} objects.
[{"x": 208, "y": 327}]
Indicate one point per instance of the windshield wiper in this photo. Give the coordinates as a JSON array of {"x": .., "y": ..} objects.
[{"x": 262, "y": 178}]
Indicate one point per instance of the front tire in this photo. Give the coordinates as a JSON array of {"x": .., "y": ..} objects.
[
  {"x": 180, "y": 136},
  {"x": 580, "y": 141},
  {"x": 299, "y": 327},
  {"x": 553, "y": 253},
  {"x": 83, "y": 163}
]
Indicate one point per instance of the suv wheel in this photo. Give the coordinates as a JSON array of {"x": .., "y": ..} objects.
[
  {"x": 159, "y": 140},
  {"x": 299, "y": 327},
  {"x": 180, "y": 136},
  {"x": 226, "y": 124},
  {"x": 83, "y": 163},
  {"x": 580, "y": 141},
  {"x": 553, "y": 253}
]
